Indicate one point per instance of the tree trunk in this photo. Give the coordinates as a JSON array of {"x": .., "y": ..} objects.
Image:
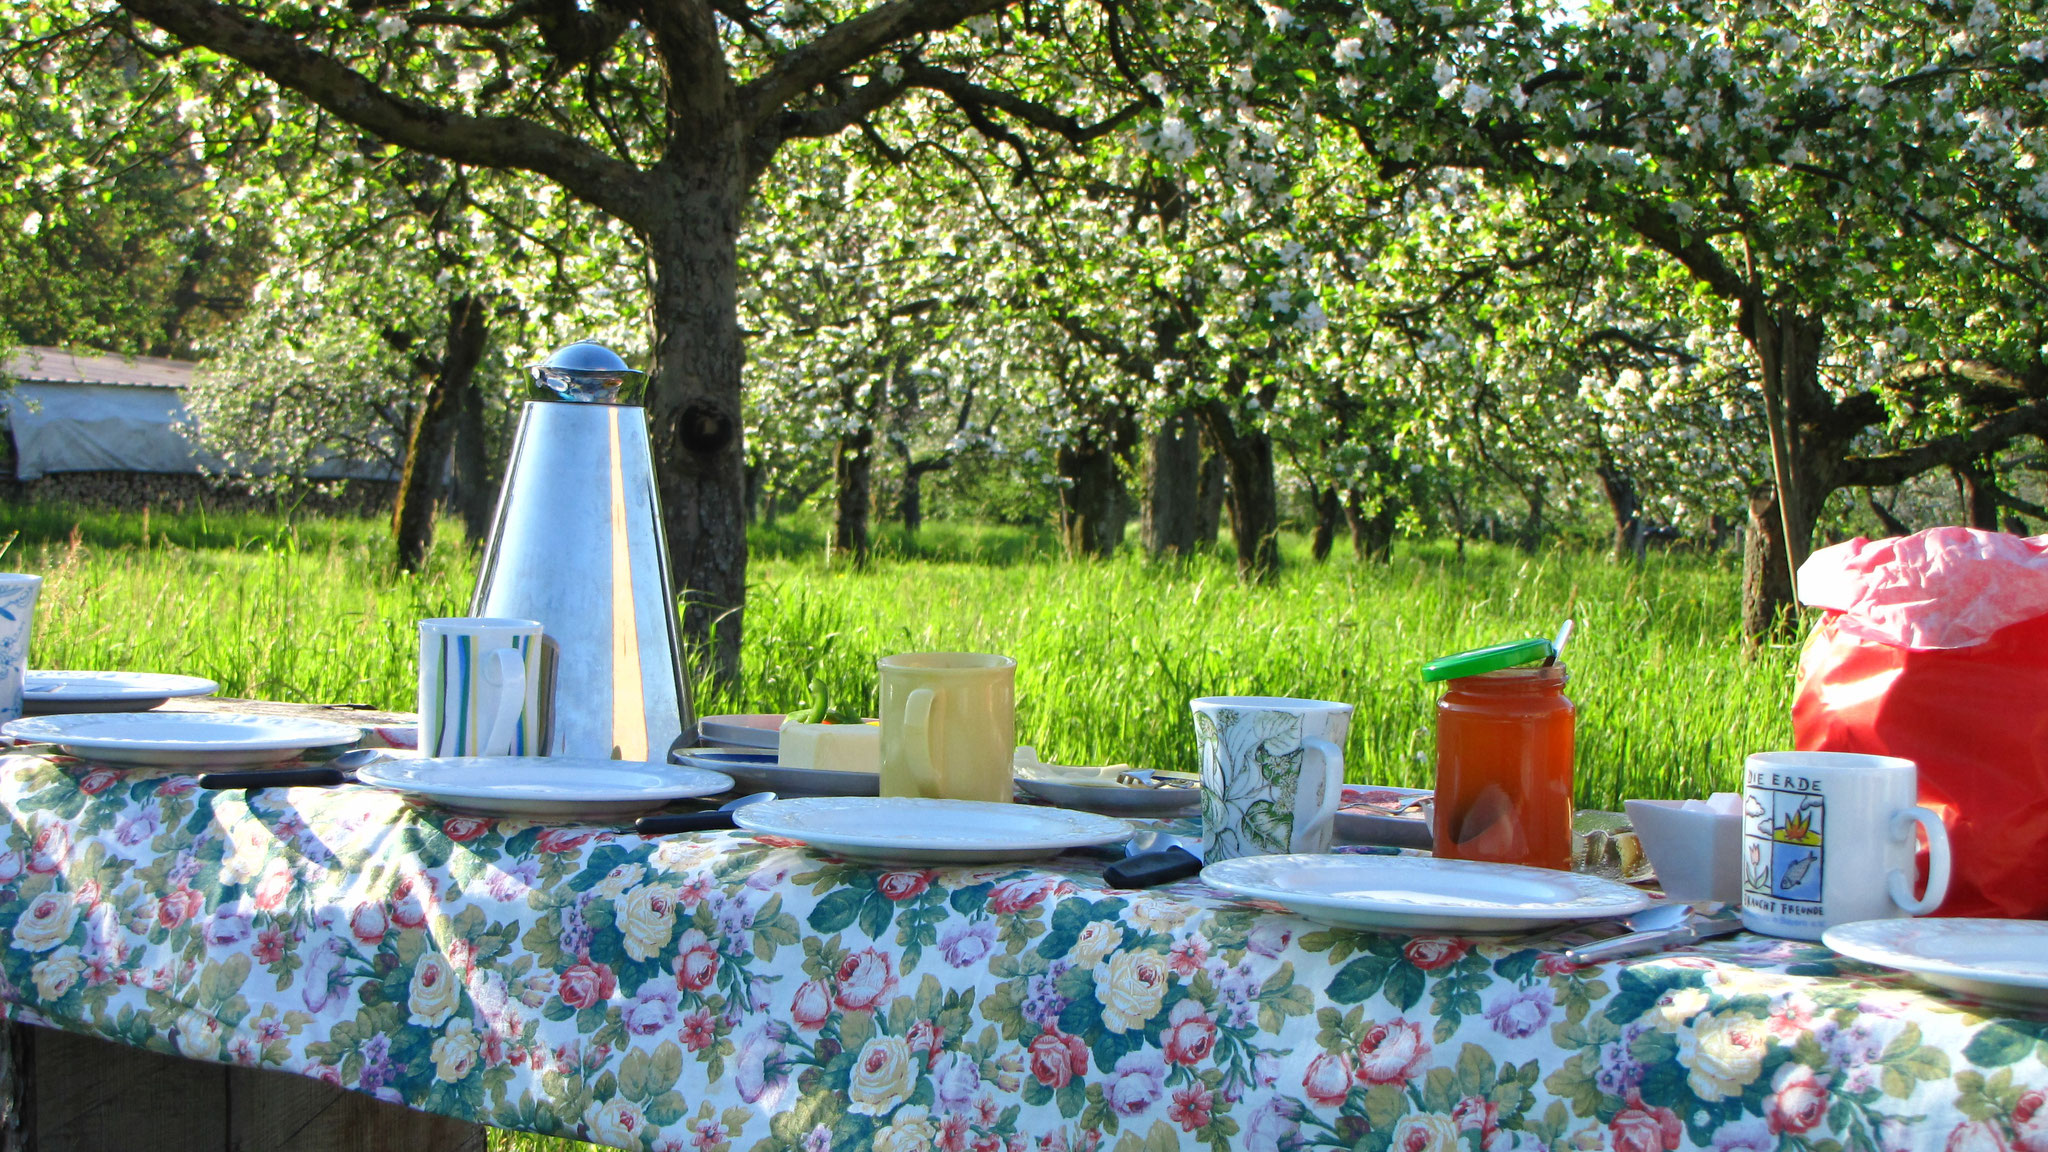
[
  {"x": 1210, "y": 488},
  {"x": 1626, "y": 506},
  {"x": 476, "y": 497},
  {"x": 433, "y": 433},
  {"x": 1254, "y": 498},
  {"x": 1372, "y": 537},
  {"x": 1531, "y": 535},
  {"x": 1893, "y": 526},
  {"x": 1173, "y": 489},
  {"x": 693, "y": 406},
  {"x": 1092, "y": 499},
  {"x": 1329, "y": 510},
  {"x": 853, "y": 474},
  {"x": 1768, "y": 610},
  {"x": 1980, "y": 495}
]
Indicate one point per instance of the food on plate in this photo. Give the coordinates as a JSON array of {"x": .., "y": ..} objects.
[
  {"x": 1025, "y": 762},
  {"x": 831, "y": 747}
]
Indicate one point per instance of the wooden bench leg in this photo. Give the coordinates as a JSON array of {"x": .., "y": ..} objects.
[{"x": 70, "y": 1093}]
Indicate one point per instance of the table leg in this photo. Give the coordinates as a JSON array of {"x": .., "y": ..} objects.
[{"x": 78, "y": 1094}]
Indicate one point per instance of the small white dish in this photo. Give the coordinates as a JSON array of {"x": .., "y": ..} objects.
[
  {"x": 1396, "y": 817},
  {"x": 49, "y": 693},
  {"x": 898, "y": 829},
  {"x": 1115, "y": 799},
  {"x": 180, "y": 739},
  {"x": 543, "y": 786},
  {"x": 764, "y": 772},
  {"x": 750, "y": 730},
  {"x": 1422, "y": 893},
  {"x": 1697, "y": 855},
  {"x": 2002, "y": 961}
]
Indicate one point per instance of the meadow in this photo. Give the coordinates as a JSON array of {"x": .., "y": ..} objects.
[{"x": 1109, "y": 653}]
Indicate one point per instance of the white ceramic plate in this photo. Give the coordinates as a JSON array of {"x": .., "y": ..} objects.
[
  {"x": 913, "y": 831},
  {"x": 181, "y": 739},
  {"x": 753, "y": 730},
  {"x": 761, "y": 771},
  {"x": 545, "y": 786},
  {"x": 1375, "y": 815},
  {"x": 2000, "y": 960},
  {"x": 1115, "y": 799},
  {"x": 50, "y": 693},
  {"x": 1421, "y": 893}
]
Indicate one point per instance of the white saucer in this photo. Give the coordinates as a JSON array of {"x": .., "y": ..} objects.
[
  {"x": 180, "y": 739},
  {"x": 750, "y": 730},
  {"x": 1999, "y": 960},
  {"x": 1114, "y": 799},
  {"x": 546, "y": 786},
  {"x": 1422, "y": 893},
  {"x": 914, "y": 831},
  {"x": 762, "y": 771},
  {"x": 53, "y": 693}
]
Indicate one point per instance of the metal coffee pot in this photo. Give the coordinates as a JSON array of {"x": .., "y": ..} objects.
[{"x": 577, "y": 544}]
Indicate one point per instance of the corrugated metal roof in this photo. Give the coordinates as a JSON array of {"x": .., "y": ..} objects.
[{"x": 61, "y": 366}]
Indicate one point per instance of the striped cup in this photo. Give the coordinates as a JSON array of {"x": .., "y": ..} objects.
[{"x": 480, "y": 687}]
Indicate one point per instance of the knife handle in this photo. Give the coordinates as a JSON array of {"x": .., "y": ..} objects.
[
  {"x": 1629, "y": 944},
  {"x": 666, "y": 823},
  {"x": 273, "y": 778},
  {"x": 1151, "y": 869}
]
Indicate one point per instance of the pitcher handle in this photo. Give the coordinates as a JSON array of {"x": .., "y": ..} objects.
[
  {"x": 505, "y": 678},
  {"x": 917, "y": 740},
  {"x": 1900, "y": 884},
  {"x": 1332, "y": 758}
]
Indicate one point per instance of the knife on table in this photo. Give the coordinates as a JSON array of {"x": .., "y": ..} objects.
[
  {"x": 1691, "y": 930},
  {"x": 340, "y": 770}
]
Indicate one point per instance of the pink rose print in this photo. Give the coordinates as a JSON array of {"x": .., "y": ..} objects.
[
  {"x": 409, "y": 899},
  {"x": 696, "y": 962},
  {"x": 1013, "y": 896},
  {"x": 368, "y": 923},
  {"x": 97, "y": 781},
  {"x": 925, "y": 1038},
  {"x": 463, "y": 829},
  {"x": 1641, "y": 1128},
  {"x": 585, "y": 984},
  {"x": 1799, "y": 1100},
  {"x": 812, "y": 1006},
  {"x": 1190, "y": 1035},
  {"x": 905, "y": 885},
  {"x": 1057, "y": 1058},
  {"x": 1391, "y": 1053},
  {"x": 178, "y": 906},
  {"x": 864, "y": 981},
  {"x": 561, "y": 840},
  {"x": 1476, "y": 1114},
  {"x": 1430, "y": 953},
  {"x": 1328, "y": 1079},
  {"x": 2030, "y": 1122}
]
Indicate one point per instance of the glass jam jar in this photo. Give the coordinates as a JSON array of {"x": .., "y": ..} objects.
[{"x": 1504, "y": 768}]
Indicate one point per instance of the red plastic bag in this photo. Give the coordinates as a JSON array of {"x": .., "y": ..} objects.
[{"x": 1935, "y": 648}]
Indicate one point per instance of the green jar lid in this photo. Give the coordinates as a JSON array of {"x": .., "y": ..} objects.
[{"x": 1489, "y": 659}]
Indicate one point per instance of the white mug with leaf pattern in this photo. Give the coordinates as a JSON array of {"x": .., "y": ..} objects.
[{"x": 1272, "y": 774}]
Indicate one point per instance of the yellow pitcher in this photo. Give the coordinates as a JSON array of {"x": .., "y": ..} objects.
[{"x": 949, "y": 725}]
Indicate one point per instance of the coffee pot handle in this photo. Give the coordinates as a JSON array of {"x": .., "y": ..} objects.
[
  {"x": 917, "y": 741},
  {"x": 505, "y": 676},
  {"x": 1901, "y": 883}
]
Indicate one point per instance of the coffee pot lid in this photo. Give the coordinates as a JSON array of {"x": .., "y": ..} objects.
[{"x": 587, "y": 372}]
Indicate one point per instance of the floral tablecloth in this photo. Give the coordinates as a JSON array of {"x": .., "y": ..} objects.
[{"x": 724, "y": 991}]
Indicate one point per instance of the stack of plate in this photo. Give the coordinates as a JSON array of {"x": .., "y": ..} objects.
[{"x": 45, "y": 693}]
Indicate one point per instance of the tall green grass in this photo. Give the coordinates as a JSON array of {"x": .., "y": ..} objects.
[{"x": 1109, "y": 653}]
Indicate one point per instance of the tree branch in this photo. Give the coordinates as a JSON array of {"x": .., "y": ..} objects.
[
  {"x": 971, "y": 96},
  {"x": 484, "y": 141},
  {"x": 848, "y": 43},
  {"x": 1986, "y": 436}
]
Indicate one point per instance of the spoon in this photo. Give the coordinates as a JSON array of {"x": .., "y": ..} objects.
[
  {"x": 717, "y": 819},
  {"x": 1655, "y": 928},
  {"x": 1564, "y": 634}
]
